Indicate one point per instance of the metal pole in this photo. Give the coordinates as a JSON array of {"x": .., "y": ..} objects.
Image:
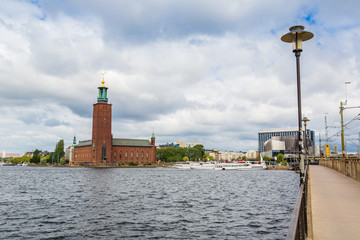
[
  {"x": 301, "y": 157},
  {"x": 320, "y": 145},
  {"x": 305, "y": 146},
  {"x": 342, "y": 130}
]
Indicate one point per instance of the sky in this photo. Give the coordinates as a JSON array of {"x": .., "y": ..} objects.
[{"x": 207, "y": 71}]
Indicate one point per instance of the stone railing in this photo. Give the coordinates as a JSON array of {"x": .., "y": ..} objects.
[{"x": 350, "y": 168}]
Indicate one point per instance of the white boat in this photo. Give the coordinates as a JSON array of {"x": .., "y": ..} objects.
[
  {"x": 231, "y": 166},
  {"x": 252, "y": 166},
  {"x": 182, "y": 166},
  {"x": 25, "y": 164},
  {"x": 203, "y": 166},
  {"x": 260, "y": 166},
  {"x": 245, "y": 168},
  {"x": 219, "y": 166}
]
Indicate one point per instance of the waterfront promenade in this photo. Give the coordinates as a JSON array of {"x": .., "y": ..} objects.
[{"x": 335, "y": 204}]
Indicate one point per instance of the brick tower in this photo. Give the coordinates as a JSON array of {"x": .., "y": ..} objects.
[{"x": 101, "y": 132}]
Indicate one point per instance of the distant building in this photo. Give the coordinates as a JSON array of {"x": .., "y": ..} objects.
[
  {"x": 179, "y": 144},
  {"x": 103, "y": 148},
  {"x": 6, "y": 155},
  {"x": 167, "y": 145},
  {"x": 190, "y": 145},
  {"x": 251, "y": 155},
  {"x": 271, "y": 143},
  {"x": 224, "y": 155}
]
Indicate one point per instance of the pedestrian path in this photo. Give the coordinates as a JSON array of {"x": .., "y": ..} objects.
[{"x": 335, "y": 204}]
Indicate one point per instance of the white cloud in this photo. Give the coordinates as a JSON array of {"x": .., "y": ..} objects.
[{"x": 214, "y": 72}]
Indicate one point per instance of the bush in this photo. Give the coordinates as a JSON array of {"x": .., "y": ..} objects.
[
  {"x": 62, "y": 161},
  {"x": 132, "y": 164},
  {"x": 43, "y": 161}
]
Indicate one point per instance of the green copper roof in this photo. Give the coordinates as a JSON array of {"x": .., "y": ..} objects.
[
  {"x": 102, "y": 97},
  {"x": 131, "y": 142},
  {"x": 153, "y": 135},
  {"x": 74, "y": 142},
  {"x": 84, "y": 143}
]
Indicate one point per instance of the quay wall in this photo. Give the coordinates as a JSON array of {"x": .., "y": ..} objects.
[{"x": 350, "y": 168}]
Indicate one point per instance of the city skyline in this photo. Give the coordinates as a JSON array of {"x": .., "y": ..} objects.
[{"x": 207, "y": 71}]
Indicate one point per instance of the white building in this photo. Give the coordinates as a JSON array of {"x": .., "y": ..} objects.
[{"x": 251, "y": 155}]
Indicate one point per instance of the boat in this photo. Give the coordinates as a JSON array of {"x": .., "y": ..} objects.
[
  {"x": 231, "y": 166},
  {"x": 182, "y": 166},
  {"x": 203, "y": 166},
  {"x": 252, "y": 166},
  {"x": 25, "y": 164},
  {"x": 9, "y": 164},
  {"x": 219, "y": 166}
]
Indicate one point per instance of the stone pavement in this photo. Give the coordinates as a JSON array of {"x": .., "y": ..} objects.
[{"x": 335, "y": 204}]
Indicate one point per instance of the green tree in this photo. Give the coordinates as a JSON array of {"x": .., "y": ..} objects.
[
  {"x": 43, "y": 161},
  {"x": 243, "y": 157},
  {"x": 208, "y": 157},
  {"x": 36, "y": 157},
  {"x": 59, "y": 151},
  {"x": 199, "y": 148},
  {"x": 279, "y": 158},
  {"x": 62, "y": 161},
  {"x": 266, "y": 159}
]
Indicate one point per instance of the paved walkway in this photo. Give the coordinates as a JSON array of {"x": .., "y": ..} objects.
[{"x": 335, "y": 204}]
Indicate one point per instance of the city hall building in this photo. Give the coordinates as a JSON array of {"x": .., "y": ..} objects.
[{"x": 103, "y": 149}]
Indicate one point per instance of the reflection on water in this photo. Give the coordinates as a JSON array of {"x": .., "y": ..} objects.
[{"x": 135, "y": 203}]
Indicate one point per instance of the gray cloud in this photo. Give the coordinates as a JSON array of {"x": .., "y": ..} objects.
[{"x": 205, "y": 71}]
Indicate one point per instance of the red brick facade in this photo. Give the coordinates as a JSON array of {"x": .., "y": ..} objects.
[
  {"x": 103, "y": 148},
  {"x": 101, "y": 133}
]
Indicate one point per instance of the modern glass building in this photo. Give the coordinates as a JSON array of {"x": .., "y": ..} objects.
[{"x": 263, "y": 136}]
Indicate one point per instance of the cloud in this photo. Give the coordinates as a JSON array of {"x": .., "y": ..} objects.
[{"x": 212, "y": 71}]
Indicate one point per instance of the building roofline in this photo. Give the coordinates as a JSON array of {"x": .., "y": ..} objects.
[{"x": 282, "y": 130}]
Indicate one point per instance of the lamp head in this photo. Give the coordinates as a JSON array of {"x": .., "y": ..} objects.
[
  {"x": 305, "y": 120},
  {"x": 296, "y": 36}
]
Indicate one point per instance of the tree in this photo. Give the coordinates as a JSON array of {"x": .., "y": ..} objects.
[
  {"x": 59, "y": 151},
  {"x": 279, "y": 158},
  {"x": 43, "y": 161},
  {"x": 201, "y": 149},
  {"x": 243, "y": 158},
  {"x": 266, "y": 159},
  {"x": 36, "y": 157}
]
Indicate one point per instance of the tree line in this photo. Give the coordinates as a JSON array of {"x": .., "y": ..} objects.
[
  {"x": 56, "y": 157},
  {"x": 178, "y": 154}
]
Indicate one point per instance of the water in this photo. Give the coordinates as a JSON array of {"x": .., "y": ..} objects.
[{"x": 138, "y": 203}]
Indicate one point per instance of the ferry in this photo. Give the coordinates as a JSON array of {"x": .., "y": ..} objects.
[
  {"x": 182, "y": 166},
  {"x": 252, "y": 166},
  {"x": 231, "y": 166},
  {"x": 203, "y": 166}
]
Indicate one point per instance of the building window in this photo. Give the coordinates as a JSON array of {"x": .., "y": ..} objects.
[
  {"x": 147, "y": 155},
  {"x": 137, "y": 155},
  {"x": 142, "y": 155},
  {"x": 132, "y": 155},
  {"x": 120, "y": 155},
  {"x": 115, "y": 155}
]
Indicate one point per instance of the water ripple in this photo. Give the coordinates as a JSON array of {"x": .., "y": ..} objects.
[{"x": 80, "y": 203}]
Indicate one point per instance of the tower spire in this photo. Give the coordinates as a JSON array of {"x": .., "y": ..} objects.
[{"x": 102, "y": 97}]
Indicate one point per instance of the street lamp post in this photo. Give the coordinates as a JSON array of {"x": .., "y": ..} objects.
[
  {"x": 305, "y": 120},
  {"x": 296, "y": 36}
]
